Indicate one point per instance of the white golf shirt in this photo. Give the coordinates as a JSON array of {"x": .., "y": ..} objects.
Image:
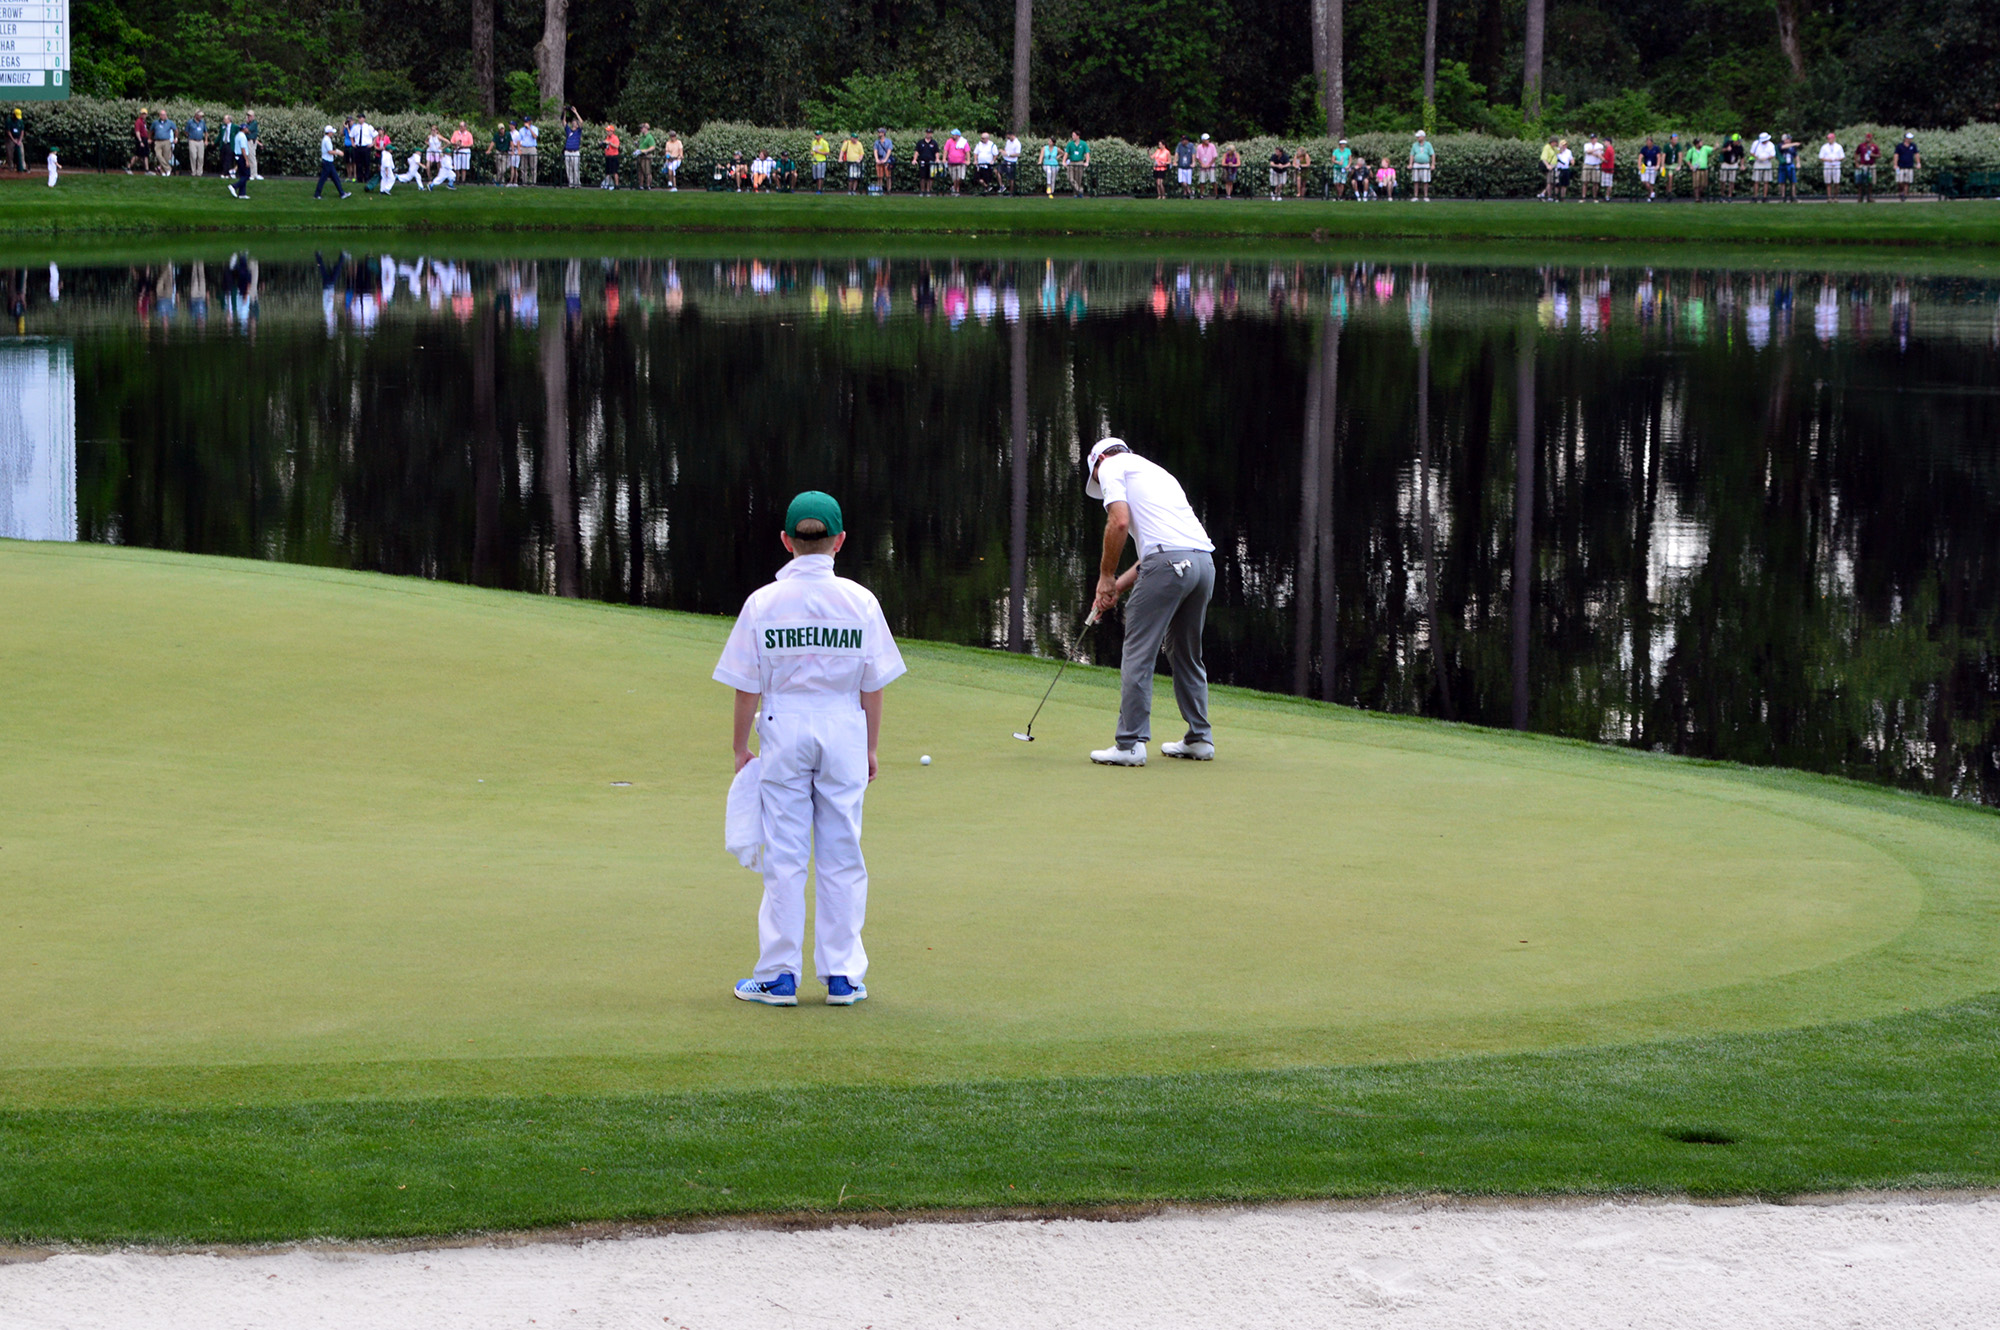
[
  {"x": 1762, "y": 153},
  {"x": 1162, "y": 519},
  {"x": 984, "y": 153},
  {"x": 810, "y": 641},
  {"x": 1832, "y": 154}
]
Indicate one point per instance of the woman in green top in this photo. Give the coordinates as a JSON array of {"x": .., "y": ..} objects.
[
  {"x": 645, "y": 146},
  {"x": 1343, "y": 162}
]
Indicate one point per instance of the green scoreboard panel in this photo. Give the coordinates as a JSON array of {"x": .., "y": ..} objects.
[{"x": 34, "y": 50}]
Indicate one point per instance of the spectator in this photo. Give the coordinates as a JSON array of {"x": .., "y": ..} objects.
[
  {"x": 239, "y": 147},
  {"x": 925, "y": 159},
  {"x": 227, "y": 142},
  {"x": 1385, "y": 180},
  {"x": 614, "y": 148},
  {"x": 1204, "y": 166},
  {"x": 885, "y": 160},
  {"x": 1341, "y": 163},
  {"x": 55, "y": 168},
  {"x": 788, "y": 171},
  {"x": 197, "y": 137},
  {"x": 1548, "y": 171},
  {"x": 1670, "y": 163},
  {"x": 819, "y": 152},
  {"x": 1649, "y": 168},
  {"x": 1423, "y": 156},
  {"x": 1301, "y": 170},
  {"x": 250, "y": 138},
  {"x": 1010, "y": 162},
  {"x": 572, "y": 148},
  {"x": 434, "y": 151},
  {"x": 17, "y": 141},
  {"x": 675, "y": 150},
  {"x": 1729, "y": 164},
  {"x": 1908, "y": 162},
  {"x": 364, "y": 154},
  {"x": 1077, "y": 155},
  {"x": 1763, "y": 163},
  {"x": 1565, "y": 169},
  {"x": 142, "y": 140},
  {"x": 1699, "y": 157},
  {"x": 761, "y": 167},
  {"x": 1162, "y": 159},
  {"x": 1361, "y": 180},
  {"x": 329, "y": 165},
  {"x": 1831, "y": 155},
  {"x": 852, "y": 152},
  {"x": 501, "y": 148},
  {"x": 1232, "y": 167},
  {"x": 1605, "y": 166},
  {"x": 738, "y": 170},
  {"x": 531, "y": 152},
  {"x": 1281, "y": 165},
  {"x": 513, "y": 154},
  {"x": 1788, "y": 167},
  {"x": 1051, "y": 164},
  {"x": 164, "y": 130},
  {"x": 956, "y": 153},
  {"x": 1593, "y": 166},
  {"x": 643, "y": 148},
  {"x": 1184, "y": 166},
  {"x": 986, "y": 159},
  {"x": 1866, "y": 154}
]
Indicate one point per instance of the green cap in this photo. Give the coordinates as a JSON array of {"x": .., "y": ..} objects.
[{"x": 813, "y": 505}]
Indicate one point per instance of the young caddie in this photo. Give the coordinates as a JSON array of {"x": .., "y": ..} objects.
[{"x": 809, "y": 658}]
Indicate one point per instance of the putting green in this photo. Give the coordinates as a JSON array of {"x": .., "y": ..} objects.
[{"x": 273, "y": 831}]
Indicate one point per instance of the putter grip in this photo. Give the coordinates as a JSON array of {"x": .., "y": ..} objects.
[{"x": 1092, "y": 618}]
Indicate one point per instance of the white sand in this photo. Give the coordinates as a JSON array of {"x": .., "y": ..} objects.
[{"x": 1874, "y": 1264}]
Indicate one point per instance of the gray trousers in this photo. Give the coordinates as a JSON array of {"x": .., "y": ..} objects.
[{"x": 1166, "y": 611}]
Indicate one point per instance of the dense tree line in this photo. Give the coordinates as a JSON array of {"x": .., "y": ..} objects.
[{"x": 1139, "y": 68}]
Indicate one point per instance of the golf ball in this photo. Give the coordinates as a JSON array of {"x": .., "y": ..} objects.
[{"x": 925, "y": 760}]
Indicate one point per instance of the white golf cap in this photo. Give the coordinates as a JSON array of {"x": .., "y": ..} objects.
[
  {"x": 1909, "y": 133},
  {"x": 327, "y": 130},
  {"x": 1097, "y": 451},
  {"x": 1763, "y": 138},
  {"x": 1420, "y": 133},
  {"x": 1204, "y": 138}
]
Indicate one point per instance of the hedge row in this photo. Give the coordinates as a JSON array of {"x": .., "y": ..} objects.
[{"x": 94, "y": 132}]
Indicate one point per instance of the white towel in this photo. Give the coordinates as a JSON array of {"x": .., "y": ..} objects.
[{"x": 743, "y": 822}]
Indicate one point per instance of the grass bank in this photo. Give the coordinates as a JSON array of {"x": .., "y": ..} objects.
[
  {"x": 117, "y": 204},
  {"x": 345, "y": 904}
]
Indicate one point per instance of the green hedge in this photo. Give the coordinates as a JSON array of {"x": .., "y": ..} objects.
[{"x": 95, "y": 132}]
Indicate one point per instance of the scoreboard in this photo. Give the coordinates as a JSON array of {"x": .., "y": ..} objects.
[{"x": 34, "y": 50}]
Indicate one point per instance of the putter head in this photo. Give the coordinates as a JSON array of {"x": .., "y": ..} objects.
[{"x": 1024, "y": 738}]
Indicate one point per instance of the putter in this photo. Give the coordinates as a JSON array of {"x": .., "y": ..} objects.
[{"x": 1027, "y": 736}]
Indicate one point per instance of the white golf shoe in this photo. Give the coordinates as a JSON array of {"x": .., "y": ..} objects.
[
  {"x": 1200, "y": 750},
  {"x": 1114, "y": 756}
]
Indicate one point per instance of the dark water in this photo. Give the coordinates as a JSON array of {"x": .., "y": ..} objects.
[{"x": 1742, "y": 515}]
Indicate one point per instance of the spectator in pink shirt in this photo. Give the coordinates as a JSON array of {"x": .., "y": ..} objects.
[
  {"x": 957, "y": 152},
  {"x": 1204, "y": 166}
]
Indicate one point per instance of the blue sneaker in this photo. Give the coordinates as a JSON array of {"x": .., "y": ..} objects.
[
  {"x": 843, "y": 992},
  {"x": 780, "y": 992}
]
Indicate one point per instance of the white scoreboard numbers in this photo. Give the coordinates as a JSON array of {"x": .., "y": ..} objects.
[{"x": 34, "y": 50}]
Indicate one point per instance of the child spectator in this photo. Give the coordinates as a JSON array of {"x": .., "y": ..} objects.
[{"x": 1385, "y": 180}]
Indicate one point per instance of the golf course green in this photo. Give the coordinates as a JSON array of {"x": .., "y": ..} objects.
[{"x": 278, "y": 836}]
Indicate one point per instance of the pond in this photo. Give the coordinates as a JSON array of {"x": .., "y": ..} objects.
[{"x": 1748, "y": 514}]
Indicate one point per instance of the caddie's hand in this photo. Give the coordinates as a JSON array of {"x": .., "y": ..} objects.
[
  {"x": 1107, "y": 594},
  {"x": 873, "y": 765},
  {"x": 742, "y": 758}
]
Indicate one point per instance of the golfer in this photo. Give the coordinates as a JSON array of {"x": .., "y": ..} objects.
[
  {"x": 809, "y": 658},
  {"x": 1171, "y": 586}
]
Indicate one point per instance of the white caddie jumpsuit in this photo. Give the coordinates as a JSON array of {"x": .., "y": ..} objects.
[{"x": 810, "y": 644}]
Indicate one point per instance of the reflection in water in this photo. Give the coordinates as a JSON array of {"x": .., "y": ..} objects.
[
  {"x": 37, "y": 441},
  {"x": 1712, "y": 528}
]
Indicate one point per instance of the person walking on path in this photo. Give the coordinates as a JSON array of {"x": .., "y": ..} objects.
[
  {"x": 1423, "y": 158},
  {"x": 885, "y": 161},
  {"x": 1866, "y": 154},
  {"x": 142, "y": 140},
  {"x": 329, "y": 165},
  {"x": 1077, "y": 154},
  {"x": 250, "y": 137},
  {"x": 1908, "y": 162},
  {"x": 572, "y": 149},
  {"x": 239, "y": 146},
  {"x": 643, "y": 148},
  {"x": 1699, "y": 157},
  {"x": 1171, "y": 585},
  {"x": 1831, "y": 155},
  {"x": 675, "y": 150},
  {"x": 809, "y": 658},
  {"x": 197, "y": 137}
]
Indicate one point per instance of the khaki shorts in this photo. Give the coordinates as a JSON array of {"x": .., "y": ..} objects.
[
  {"x": 1420, "y": 175},
  {"x": 1906, "y": 175}
]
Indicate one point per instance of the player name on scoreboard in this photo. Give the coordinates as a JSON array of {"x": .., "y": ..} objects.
[{"x": 34, "y": 50}]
